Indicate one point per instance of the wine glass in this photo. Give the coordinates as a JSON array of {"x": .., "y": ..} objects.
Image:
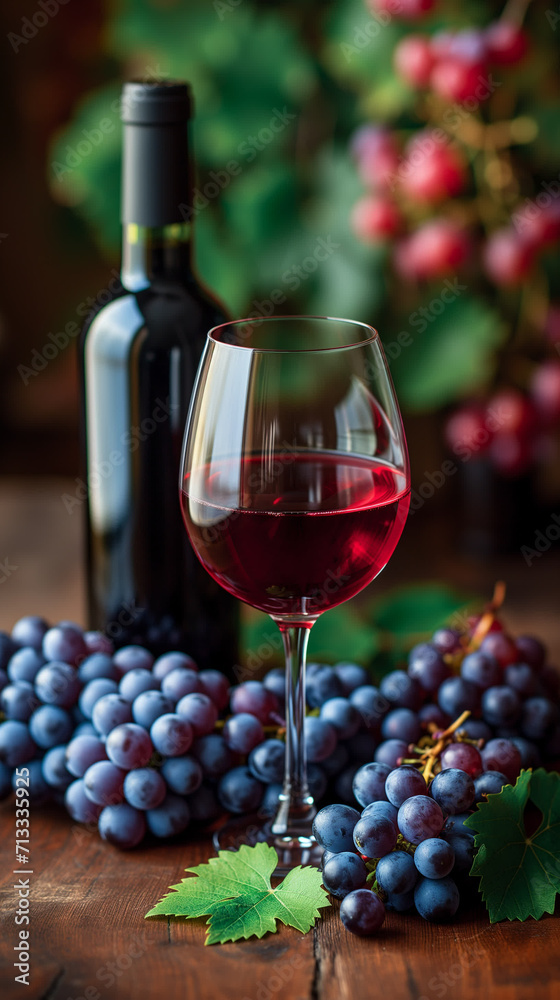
[{"x": 294, "y": 489}]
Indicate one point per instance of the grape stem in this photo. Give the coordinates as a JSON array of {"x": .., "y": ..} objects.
[
  {"x": 430, "y": 763},
  {"x": 487, "y": 620},
  {"x": 514, "y": 12},
  {"x": 404, "y": 845},
  {"x": 455, "y": 725},
  {"x": 430, "y": 756}
]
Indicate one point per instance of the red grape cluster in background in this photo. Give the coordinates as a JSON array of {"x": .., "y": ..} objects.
[{"x": 448, "y": 194}]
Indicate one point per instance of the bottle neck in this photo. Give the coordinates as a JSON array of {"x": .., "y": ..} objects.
[
  {"x": 157, "y": 190},
  {"x": 156, "y": 254}
]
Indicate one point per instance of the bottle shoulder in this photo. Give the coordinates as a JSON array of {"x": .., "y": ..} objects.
[
  {"x": 164, "y": 314},
  {"x": 113, "y": 329}
]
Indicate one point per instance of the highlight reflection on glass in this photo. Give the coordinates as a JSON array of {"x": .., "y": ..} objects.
[{"x": 294, "y": 490}]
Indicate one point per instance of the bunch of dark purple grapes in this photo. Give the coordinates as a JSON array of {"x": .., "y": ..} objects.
[
  {"x": 135, "y": 745},
  {"x": 409, "y": 844},
  {"x": 138, "y": 745},
  {"x": 125, "y": 742}
]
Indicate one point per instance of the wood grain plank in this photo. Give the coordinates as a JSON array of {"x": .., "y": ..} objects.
[
  {"x": 89, "y": 938},
  {"x": 412, "y": 959}
]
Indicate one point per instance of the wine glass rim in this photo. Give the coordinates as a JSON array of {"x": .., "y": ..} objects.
[{"x": 213, "y": 334}]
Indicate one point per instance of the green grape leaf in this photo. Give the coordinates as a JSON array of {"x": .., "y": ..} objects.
[
  {"x": 235, "y": 890},
  {"x": 85, "y": 172},
  {"x": 519, "y": 872},
  {"x": 416, "y": 610},
  {"x": 358, "y": 51},
  {"x": 342, "y": 634},
  {"x": 546, "y": 147},
  {"x": 349, "y": 282},
  {"x": 451, "y": 348}
]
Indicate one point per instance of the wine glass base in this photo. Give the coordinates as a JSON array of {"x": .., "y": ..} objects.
[{"x": 292, "y": 850}]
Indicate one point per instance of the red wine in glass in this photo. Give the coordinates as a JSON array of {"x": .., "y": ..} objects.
[{"x": 296, "y": 533}]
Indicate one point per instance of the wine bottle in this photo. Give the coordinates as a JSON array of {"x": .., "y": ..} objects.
[{"x": 139, "y": 356}]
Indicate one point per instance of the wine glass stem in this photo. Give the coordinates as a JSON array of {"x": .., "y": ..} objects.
[{"x": 297, "y": 808}]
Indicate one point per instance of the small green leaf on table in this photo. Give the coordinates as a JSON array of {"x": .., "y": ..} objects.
[
  {"x": 519, "y": 871},
  {"x": 235, "y": 891}
]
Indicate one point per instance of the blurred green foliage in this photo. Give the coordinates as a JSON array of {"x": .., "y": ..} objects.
[
  {"x": 325, "y": 65},
  {"x": 246, "y": 66},
  {"x": 448, "y": 360},
  {"x": 411, "y": 613},
  {"x": 360, "y": 57},
  {"x": 377, "y": 632}
]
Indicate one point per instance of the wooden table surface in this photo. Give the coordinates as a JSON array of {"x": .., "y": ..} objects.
[
  {"x": 88, "y": 938},
  {"x": 87, "y": 933}
]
